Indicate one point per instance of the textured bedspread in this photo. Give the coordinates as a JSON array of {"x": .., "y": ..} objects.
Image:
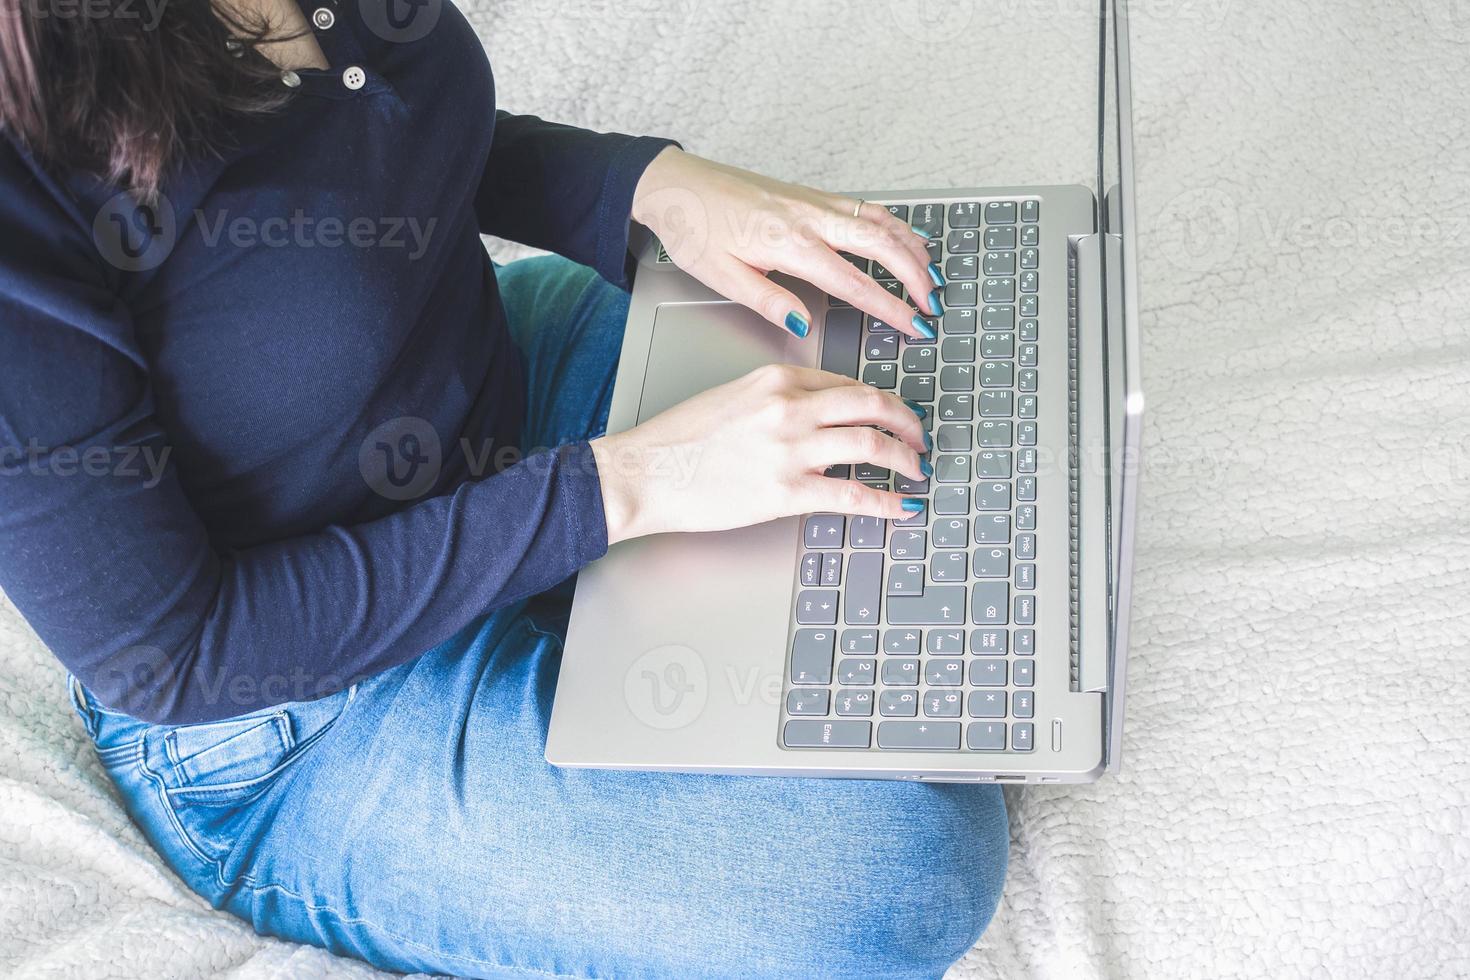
[{"x": 1296, "y": 786}]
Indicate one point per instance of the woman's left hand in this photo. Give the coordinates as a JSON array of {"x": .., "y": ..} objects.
[{"x": 728, "y": 228}]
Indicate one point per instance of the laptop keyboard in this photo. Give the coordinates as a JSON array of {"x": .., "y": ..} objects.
[{"x": 919, "y": 634}]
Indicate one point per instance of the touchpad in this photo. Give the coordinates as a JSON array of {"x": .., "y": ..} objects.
[{"x": 697, "y": 346}]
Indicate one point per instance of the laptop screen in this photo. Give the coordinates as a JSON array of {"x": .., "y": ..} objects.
[{"x": 1120, "y": 299}]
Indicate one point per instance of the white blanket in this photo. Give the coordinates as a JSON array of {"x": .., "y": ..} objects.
[{"x": 1294, "y": 800}]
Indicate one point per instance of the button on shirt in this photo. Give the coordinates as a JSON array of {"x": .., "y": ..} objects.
[{"x": 191, "y": 390}]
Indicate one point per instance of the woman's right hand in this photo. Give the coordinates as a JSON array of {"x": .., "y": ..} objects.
[{"x": 755, "y": 449}]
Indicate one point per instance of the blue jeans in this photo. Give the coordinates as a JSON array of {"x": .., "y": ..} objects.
[{"x": 411, "y": 821}]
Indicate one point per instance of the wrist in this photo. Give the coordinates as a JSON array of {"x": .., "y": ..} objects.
[
  {"x": 651, "y": 180},
  {"x": 620, "y": 498}
]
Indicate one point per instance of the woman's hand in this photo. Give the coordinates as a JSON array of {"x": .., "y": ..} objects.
[
  {"x": 755, "y": 449},
  {"x": 728, "y": 228}
]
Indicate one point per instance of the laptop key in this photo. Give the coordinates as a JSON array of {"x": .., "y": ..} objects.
[
  {"x": 929, "y": 218},
  {"x": 992, "y": 465},
  {"x": 953, "y": 438},
  {"x": 811, "y": 568},
  {"x": 993, "y": 496},
  {"x": 898, "y": 704},
  {"x": 997, "y": 238},
  {"x": 814, "y": 733},
  {"x": 856, "y": 671},
  {"x": 881, "y": 347},
  {"x": 1030, "y": 235},
  {"x": 921, "y": 735},
  {"x": 1000, "y": 212},
  {"x": 957, "y": 408},
  {"x": 987, "y": 704},
  {"x": 921, "y": 360},
  {"x": 864, "y": 583},
  {"x": 988, "y": 672},
  {"x": 859, "y": 641},
  {"x": 990, "y": 603},
  {"x": 909, "y": 545},
  {"x": 944, "y": 673},
  {"x": 831, "y": 569},
  {"x": 952, "y": 469},
  {"x": 811, "y": 657},
  {"x": 881, "y": 374},
  {"x": 996, "y": 404},
  {"x": 940, "y": 605},
  {"x": 1025, "y": 672},
  {"x": 813, "y": 701},
  {"x": 1025, "y": 643},
  {"x": 1021, "y": 736},
  {"x": 957, "y": 377},
  {"x": 993, "y": 529},
  {"x": 817, "y": 607},
  {"x": 823, "y": 531},
  {"x": 899, "y": 642},
  {"x": 965, "y": 241},
  {"x": 906, "y": 580},
  {"x": 1026, "y": 546},
  {"x": 899, "y": 211},
  {"x": 1000, "y": 263},
  {"x": 1001, "y": 344},
  {"x": 1031, "y": 211},
  {"x": 945, "y": 642},
  {"x": 865, "y": 532},
  {"x": 917, "y": 388},
  {"x": 951, "y": 533},
  {"x": 964, "y": 215},
  {"x": 992, "y": 562},
  {"x": 858, "y": 703},
  {"x": 993, "y": 434},
  {"x": 988, "y": 643},
  {"x": 948, "y": 566},
  {"x": 961, "y": 294},
  {"x": 950, "y": 501},
  {"x": 900, "y": 673},
  {"x": 985, "y": 736},
  {"x": 942, "y": 704},
  {"x": 959, "y": 321},
  {"x": 961, "y": 267},
  {"x": 1022, "y": 705},
  {"x": 958, "y": 350}
]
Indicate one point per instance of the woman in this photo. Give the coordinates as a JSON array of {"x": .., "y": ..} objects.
[{"x": 275, "y": 493}]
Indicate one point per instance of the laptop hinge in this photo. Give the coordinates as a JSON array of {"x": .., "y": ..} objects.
[{"x": 1087, "y": 467}]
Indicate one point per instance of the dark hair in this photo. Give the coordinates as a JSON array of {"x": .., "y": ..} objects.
[{"x": 124, "y": 90}]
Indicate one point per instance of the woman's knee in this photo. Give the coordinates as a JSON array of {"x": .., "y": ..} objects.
[{"x": 901, "y": 883}]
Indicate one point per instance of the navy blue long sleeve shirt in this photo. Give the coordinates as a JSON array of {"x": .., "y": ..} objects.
[{"x": 193, "y": 395}]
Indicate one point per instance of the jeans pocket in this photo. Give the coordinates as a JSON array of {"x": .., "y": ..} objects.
[
  {"x": 228, "y": 752},
  {"x": 220, "y": 773}
]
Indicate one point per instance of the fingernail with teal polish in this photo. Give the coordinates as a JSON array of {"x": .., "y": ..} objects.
[
  {"x": 922, "y": 325},
  {"x": 935, "y": 274},
  {"x": 918, "y": 409},
  {"x": 934, "y": 306},
  {"x": 798, "y": 324},
  {"x": 925, "y": 467},
  {"x": 920, "y": 232},
  {"x": 913, "y": 504}
]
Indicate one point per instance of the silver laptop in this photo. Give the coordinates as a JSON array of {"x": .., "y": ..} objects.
[{"x": 983, "y": 640}]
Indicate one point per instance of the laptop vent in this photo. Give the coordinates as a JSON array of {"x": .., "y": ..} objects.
[{"x": 1074, "y": 478}]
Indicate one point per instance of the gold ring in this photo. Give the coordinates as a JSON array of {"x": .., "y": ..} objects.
[{"x": 857, "y": 212}]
